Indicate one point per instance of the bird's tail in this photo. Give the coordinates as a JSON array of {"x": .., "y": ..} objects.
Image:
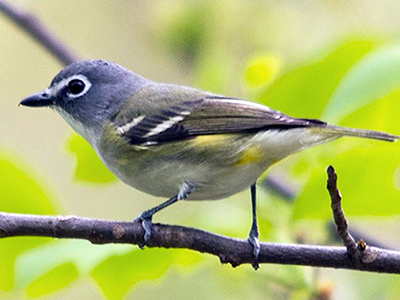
[{"x": 363, "y": 133}]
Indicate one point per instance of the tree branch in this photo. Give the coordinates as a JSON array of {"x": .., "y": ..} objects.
[
  {"x": 229, "y": 250},
  {"x": 35, "y": 28}
]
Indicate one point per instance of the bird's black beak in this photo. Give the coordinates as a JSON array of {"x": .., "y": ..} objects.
[{"x": 38, "y": 100}]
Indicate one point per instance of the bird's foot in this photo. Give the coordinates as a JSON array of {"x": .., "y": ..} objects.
[
  {"x": 255, "y": 243},
  {"x": 146, "y": 219}
]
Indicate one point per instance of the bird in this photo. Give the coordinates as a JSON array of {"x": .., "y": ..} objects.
[{"x": 178, "y": 142}]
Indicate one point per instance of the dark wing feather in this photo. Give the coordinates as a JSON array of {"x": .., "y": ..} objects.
[
  {"x": 211, "y": 115},
  {"x": 227, "y": 115}
]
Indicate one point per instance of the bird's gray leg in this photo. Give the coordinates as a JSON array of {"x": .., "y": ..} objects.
[
  {"x": 146, "y": 217},
  {"x": 253, "y": 235}
]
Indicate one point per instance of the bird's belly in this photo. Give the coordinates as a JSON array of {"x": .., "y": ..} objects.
[
  {"x": 218, "y": 165},
  {"x": 211, "y": 182}
]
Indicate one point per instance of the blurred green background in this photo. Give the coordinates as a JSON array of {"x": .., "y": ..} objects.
[{"x": 336, "y": 60}]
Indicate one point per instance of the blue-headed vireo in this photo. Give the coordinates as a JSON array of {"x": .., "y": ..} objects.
[{"x": 178, "y": 142}]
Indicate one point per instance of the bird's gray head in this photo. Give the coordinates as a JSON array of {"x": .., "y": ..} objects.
[{"x": 88, "y": 92}]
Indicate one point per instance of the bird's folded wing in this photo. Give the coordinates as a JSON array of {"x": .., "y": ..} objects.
[{"x": 210, "y": 115}]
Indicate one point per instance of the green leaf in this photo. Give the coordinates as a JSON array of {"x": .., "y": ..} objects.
[
  {"x": 117, "y": 274},
  {"x": 372, "y": 78},
  {"x": 305, "y": 91},
  {"x": 261, "y": 70},
  {"x": 89, "y": 167},
  {"x": 101, "y": 261},
  {"x": 85, "y": 256},
  {"x": 186, "y": 258},
  {"x": 19, "y": 193},
  {"x": 54, "y": 280},
  {"x": 368, "y": 171},
  {"x": 381, "y": 115},
  {"x": 10, "y": 249},
  {"x": 365, "y": 181}
]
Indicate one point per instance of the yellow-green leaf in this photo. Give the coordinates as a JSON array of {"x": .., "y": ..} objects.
[
  {"x": 89, "y": 167},
  {"x": 305, "y": 91},
  {"x": 117, "y": 274},
  {"x": 369, "y": 173},
  {"x": 262, "y": 69},
  {"x": 53, "y": 280},
  {"x": 20, "y": 192},
  {"x": 375, "y": 76},
  {"x": 365, "y": 181}
]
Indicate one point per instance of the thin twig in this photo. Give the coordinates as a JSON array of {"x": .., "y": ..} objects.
[
  {"x": 40, "y": 33},
  {"x": 359, "y": 252},
  {"x": 338, "y": 213}
]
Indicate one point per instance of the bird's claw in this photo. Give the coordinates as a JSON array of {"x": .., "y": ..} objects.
[
  {"x": 255, "y": 243},
  {"x": 147, "y": 225}
]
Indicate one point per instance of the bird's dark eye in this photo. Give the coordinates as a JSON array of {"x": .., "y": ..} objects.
[{"x": 76, "y": 86}]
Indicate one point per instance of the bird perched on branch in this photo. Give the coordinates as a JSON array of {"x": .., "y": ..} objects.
[{"x": 178, "y": 142}]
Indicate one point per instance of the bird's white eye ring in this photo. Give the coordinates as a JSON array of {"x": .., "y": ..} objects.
[{"x": 77, "y": 85}]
